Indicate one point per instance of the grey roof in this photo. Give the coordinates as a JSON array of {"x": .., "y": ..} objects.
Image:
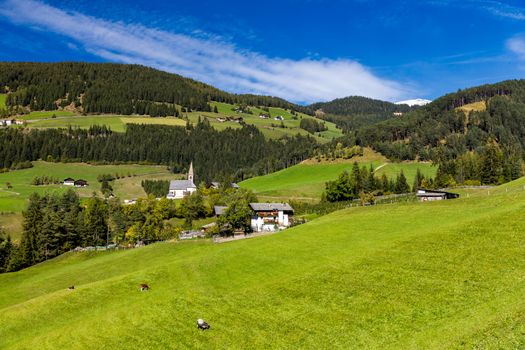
[
  {"x": 271, "y": 206},
  {"x": 219, "y": 209},
  {"x": 216, "y": 184},
  {"x": 181, "y": 185}
]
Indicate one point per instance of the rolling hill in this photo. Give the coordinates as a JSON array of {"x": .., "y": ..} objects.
[
  {"x": 306, "y": 181},
  {"x": 434, "y": 275},
  {"x": 455, "y": 124},
  {"x": 112, "y": 88},
  {"x": 271, "y": 128}
]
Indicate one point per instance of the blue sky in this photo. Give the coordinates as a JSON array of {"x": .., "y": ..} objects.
[{"x": 303, "y": 51}]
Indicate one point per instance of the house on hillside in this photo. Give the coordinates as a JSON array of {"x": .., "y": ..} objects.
[
  {"x": 69, "y": 182},
  {"x": 216, "y": 185},
  {"x": 425, "y": 195},
  {"x": 279, "y": 117},
  {"x": 397, "y": 114},
  {"x": 264, "y": 116},
  {"x": 269, "y": 217},
  {"x": 182, "y": 188},
  {"x": 80, "y": 183}
]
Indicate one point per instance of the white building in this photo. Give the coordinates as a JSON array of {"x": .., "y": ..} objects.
[
  {"x": 182, "y": 188},
  {"x": 269, "y": 217},
  {"x": 69, "y": 182}
]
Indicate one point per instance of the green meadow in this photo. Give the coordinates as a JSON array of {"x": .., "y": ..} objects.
[
  {"x": 306, "y": 181},
  {"x": 43, "y": 119},
  {"x": 14, "y": 199},
  {"x": 436, "y": 275},
  {"x": 2, "y": 101}
]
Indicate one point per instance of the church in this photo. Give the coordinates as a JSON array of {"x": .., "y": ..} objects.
[{"x": 182, "y": 188}]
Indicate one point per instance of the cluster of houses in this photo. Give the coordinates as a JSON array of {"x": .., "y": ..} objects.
[
  {"x": 267, "y": 217},
  {"x": 266, "y": 116},
  {"x": 76, "y": 183},
  {"x": 230, "y": 119},
  {"x": 9, "y": 122}
]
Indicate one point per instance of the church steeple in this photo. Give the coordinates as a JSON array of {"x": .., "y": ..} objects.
[{"x": 190, "y": 172}]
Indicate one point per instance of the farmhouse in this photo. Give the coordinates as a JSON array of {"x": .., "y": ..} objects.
[
  {"x": 69, "y": 182},
  {"x": 182, "y": 188},
  {"x": 270, "y": 216},
  {"x": 279, "y": 117},
  {"x": 264, "y": 116},
  {"x": 80, "y": 183},
  {"x": 425, "y": 195}
]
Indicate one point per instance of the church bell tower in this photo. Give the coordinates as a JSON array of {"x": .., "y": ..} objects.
[{"x": 190, "y": 172}]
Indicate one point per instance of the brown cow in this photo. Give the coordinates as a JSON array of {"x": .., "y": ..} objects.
[{"x": 144, "y": 287}]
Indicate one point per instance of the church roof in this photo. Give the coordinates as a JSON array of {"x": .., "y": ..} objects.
[{"x": 181, "y": 185}]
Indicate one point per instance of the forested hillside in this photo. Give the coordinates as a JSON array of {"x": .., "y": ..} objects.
[
  {"x": 237, "y": 153},
  {"x": 353, "y": 112},
  {"x": 484, "y": 144},
  {"x": 112, "y": 88}
]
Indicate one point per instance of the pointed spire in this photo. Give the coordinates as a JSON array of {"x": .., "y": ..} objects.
[{"x": 190, "y": 172}]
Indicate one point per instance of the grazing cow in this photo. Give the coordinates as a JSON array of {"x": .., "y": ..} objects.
[
  {"x": 201, "y": 324},
  {"x": 71, "y": 287},
  {"x": 144, "y": 287}
]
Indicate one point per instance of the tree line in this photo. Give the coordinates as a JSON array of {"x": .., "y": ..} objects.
[
  {"x": 239, "y": 153},
  {"x": 362, "y": 182},
  {"x": 57, "y": 223},
  {"x": 157, "y": 188}
]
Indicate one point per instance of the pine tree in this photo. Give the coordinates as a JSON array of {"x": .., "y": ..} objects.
[
  {"x": 31, "y": 230},
  {"x": 401, "y": 183}
]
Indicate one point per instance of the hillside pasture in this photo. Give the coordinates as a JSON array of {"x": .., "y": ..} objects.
[
  {"x": 473, "y": 107},
  {"x": 269, "y": 127},
  {"x": 3, "y": 98},
  {"x": 131, "y": 188},
  {"x": 306, "y": 181},
  {"x": 82, "y": 122},
  {"x": 14, "y": 199},
  {"x": 435, "y": 275}
]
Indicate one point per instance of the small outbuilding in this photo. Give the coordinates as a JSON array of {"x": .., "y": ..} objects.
[
  {"x": 69, "y": 182},
  {"x": 425, "y": 195},
  {"x": 80, "y": 183},
  {"x": 219, "y": 210}
]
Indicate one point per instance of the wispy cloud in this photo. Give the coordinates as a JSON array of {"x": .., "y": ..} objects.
[
  {"x": 494, "y": 7},
  {"x": 208, "y": 59},
  {"x": 517, "y": 46}
]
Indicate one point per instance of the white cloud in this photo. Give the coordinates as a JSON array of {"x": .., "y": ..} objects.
[
  {"x": 517, "y": 46},
  {"x": 207, "y": 59},
  {"x": 494, "y": 7}
]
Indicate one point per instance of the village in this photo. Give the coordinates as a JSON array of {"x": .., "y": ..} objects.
[
  {"x": 243, "y": 218},
  {"x": 265, "y": 217}
]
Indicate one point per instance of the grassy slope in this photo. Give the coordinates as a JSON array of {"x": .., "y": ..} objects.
[
  {"x": 308, "y": 180},
  {"x": 114, "y": 122},
  {"x": 434, "y": 275},
  {"x": 14, "y": 200},
  {"x": 118, "y": 123},
  {"x": 2, "y": 101}
]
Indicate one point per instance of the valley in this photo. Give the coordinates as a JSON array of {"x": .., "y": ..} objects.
[{"x": 432, "y": 275}]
